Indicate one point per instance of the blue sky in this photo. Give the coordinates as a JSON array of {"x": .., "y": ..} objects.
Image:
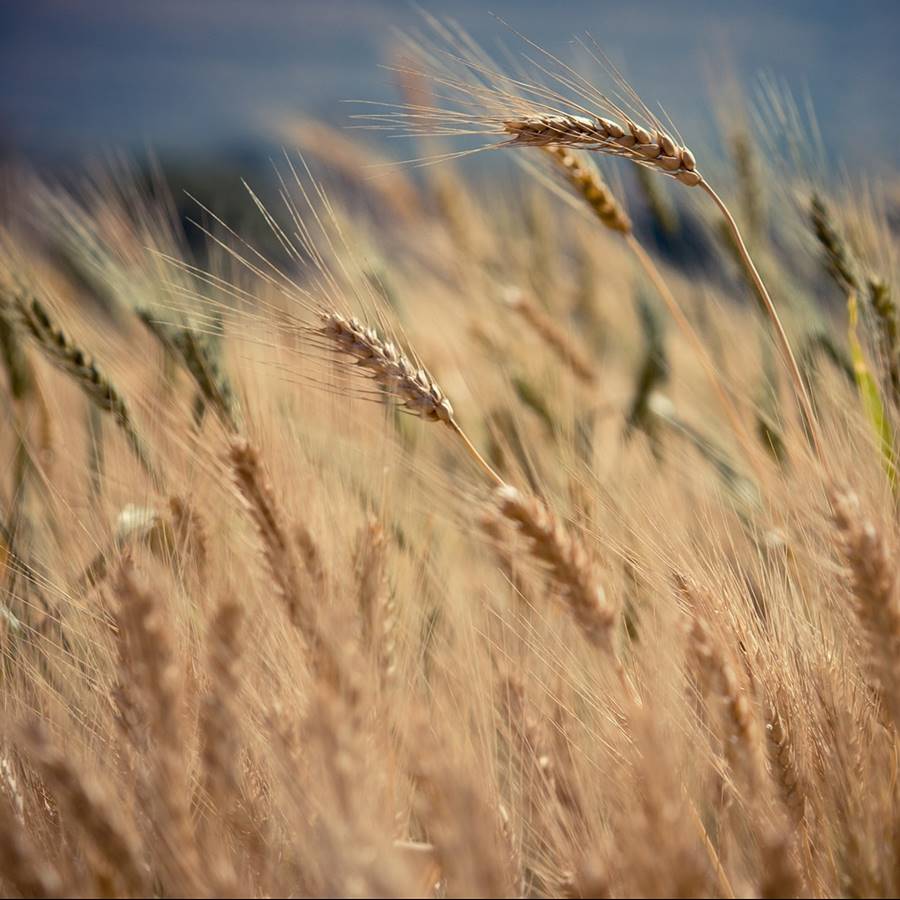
[{"x": 85, "y": 76}]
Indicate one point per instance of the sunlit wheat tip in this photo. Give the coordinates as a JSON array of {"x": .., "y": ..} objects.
[
  {"x": 605, "y": 136},
  {"x": 412, "y": 385}
]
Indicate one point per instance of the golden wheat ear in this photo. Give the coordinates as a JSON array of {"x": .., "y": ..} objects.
[
  {"x": 658, "y": 151},
  {"x": 81, "y": 367},
  {"x": 411, "y": 385}
]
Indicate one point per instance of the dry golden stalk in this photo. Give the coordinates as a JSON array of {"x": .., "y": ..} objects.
[
  {"x": 553, "y": 335},
  {"x": 631, "y": 141},
  {"x": 411, "y": 384},
  {"x": 21, "y": 863},
  {"x": 220, "y": 746},
  {"x": 278, "y": 550},
  {"x": 568, "y": 561},
  {"x": 874, "y": 582},
  {"x": 88, "y": 808},
  {"x": 78, "y": 364},
  {"x": 374, "y": 600},
  {"x": 281, "y": 561},
  {"x": 152, "y": 670},
  {"x": 783, "y": 761},
  {"x": 586, "y": 180}
]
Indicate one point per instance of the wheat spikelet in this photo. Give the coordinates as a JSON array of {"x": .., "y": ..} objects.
[
  {"x": 780, "y": 876},
  {"x": 197, "y": 352},
  {"x": 874, "y": 583},
  {"x": 839, "y": 259},
  {"x": 218, "y": 721},
  {"x": 553, "y": 335},
  {"x": 412, "y": 385},
  {"x": 152, "y": 670},
  {"x": 190, "y": 532},
  {"x": 280, "y": 556},
  {"x": 21, "y": 863},
  {"x": 783, "y": 760},
  {"x": 566, "y": 558},
  {"x": 587, "y": 182},
  {"x": 631, "y": 141},
  {"x": 717, "y": 675},
  {"x": 465, "y": 829},
  {"x": 89, "y": 808},
  {"x": 277, "y": 549},
  {"x": 79, "y": 365},
  {"x": 220, "y": 745},
  {"x": 391, "y": 369},
  {"x": 853, "y": 278},
  {"x": 374, "y": 599}
]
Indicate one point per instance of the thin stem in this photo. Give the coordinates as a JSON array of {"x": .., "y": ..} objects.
[
  {"x": 681, "y": 320},
  {"x": 803, "y": 398},
  {"x": 475, "y": 454}
]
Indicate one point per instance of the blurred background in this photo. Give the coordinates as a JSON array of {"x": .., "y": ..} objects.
[{"x": 202, "y": 80}]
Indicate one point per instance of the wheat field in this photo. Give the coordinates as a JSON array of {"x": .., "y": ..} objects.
[{"x": 522, "y": 524}]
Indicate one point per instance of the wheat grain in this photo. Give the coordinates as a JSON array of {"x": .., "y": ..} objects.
[
  {"x": 412, "y": 385},
  {"x": 874, "y": 582},
  {"x": 562, "y": 344},
  {"x": 629, "y": 141},
  {"x": 89, "y": 808},
  {"x": 567, "y": 559},
  {"x": 587, "y": 182},
  {"x": 80, "y": 366}
]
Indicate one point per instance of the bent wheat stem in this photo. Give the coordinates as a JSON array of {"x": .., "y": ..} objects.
[{"x": 803, "y": 398}]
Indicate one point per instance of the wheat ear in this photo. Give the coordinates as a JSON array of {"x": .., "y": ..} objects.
[
  {"x": 22, "y": 864},
  {"x": 88, "y": 807},
  {"x": 567, "y": 559},
  {"x": 66, "y": 355},
  {"x": 631, "y": 141},
  {"x": 395, "y": 373},
  {"x": 852, "y": 278},
  {"x": 552, "y": 334},
  {"x": 587, "y": 182},
  {"x": 874, "y": 582},
  {"x": 658, "y": 151}
]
